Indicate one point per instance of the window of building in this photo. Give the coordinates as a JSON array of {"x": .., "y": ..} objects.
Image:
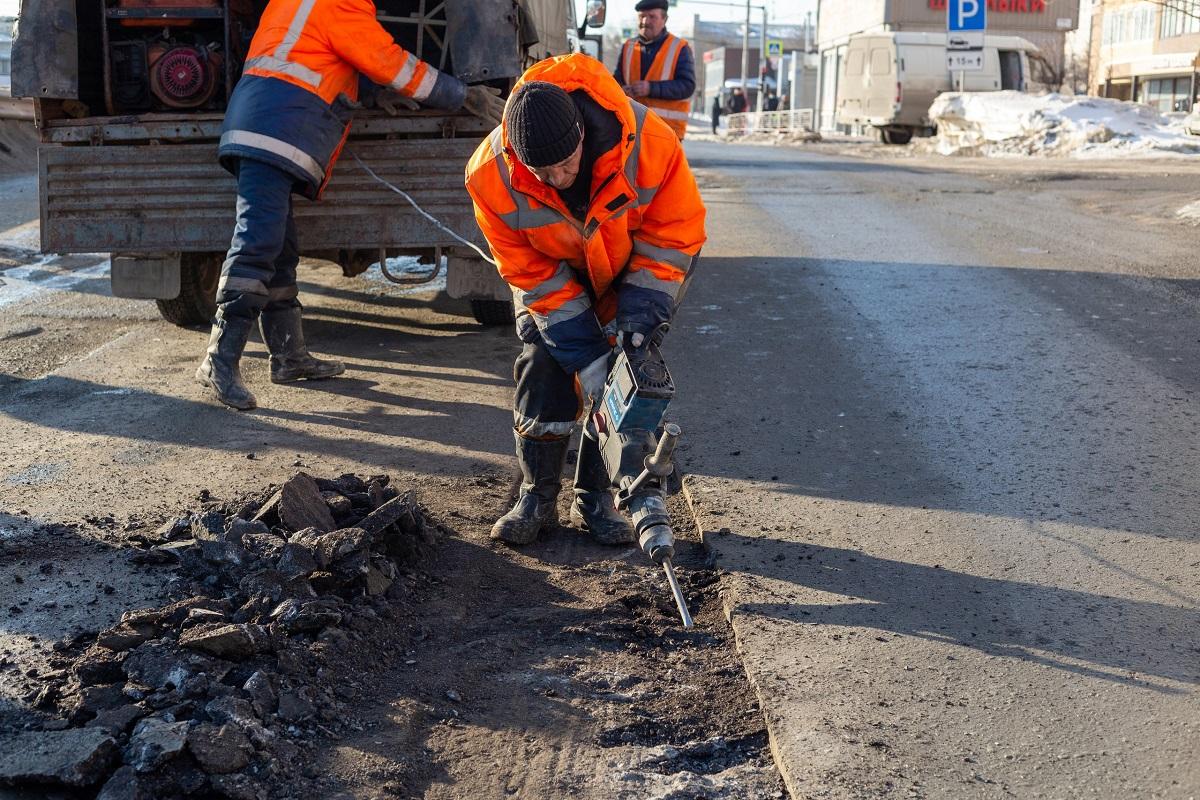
[
  {"x": 1166, "y": 94},
  {"x": 1131, "y": 23},
  {"x": 1179, "y": 17},
  {"x": 5, "y": 65}
]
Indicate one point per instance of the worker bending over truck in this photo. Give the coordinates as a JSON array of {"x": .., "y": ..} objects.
[
  {"x": 594, "y": 219},
  {"x": 286, "y": 122}
]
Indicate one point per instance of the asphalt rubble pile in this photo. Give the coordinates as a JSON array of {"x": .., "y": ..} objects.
[{"x": 223, "y": 691}]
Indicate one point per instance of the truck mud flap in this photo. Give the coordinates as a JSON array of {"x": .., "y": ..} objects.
[{"x": 175, "y": 197}]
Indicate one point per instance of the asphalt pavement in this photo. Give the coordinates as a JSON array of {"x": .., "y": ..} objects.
[{"x": 942, "y": 435}]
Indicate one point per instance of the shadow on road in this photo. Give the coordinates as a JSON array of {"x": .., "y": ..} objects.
[
  {"x": 1111, "y": 638},
  {"x": 913, "y": 385}
]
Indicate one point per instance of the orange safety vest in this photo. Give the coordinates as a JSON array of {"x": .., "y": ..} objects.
[
  {"x": 643, "y": 227},
  {"x": 289, "y": 109},
  {"x": 662, "y": 68},
  {"x": 322, "y": 46}
]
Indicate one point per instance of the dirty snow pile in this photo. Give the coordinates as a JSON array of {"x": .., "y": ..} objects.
[
  {"x": 1017, "y": 124},
  {"x": 223, "y": 691}
]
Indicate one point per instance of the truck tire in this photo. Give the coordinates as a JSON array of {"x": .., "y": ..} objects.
[
  {"x": 197, "y": 300},
  {"x": 901, "y": 136},
  {"x": 493, "y": 312}
]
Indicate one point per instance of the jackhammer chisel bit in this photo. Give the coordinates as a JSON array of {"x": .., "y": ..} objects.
[{"x": 636, "y": 396}]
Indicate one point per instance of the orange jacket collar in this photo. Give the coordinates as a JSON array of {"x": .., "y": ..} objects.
[{"x": 572, "y": 72}]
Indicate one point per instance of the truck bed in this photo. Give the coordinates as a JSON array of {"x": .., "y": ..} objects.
[{"x": 152, "y": 183}]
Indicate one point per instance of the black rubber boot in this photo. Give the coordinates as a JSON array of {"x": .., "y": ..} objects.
[
  {"x": 290, "y": 360},
  {"x": 537, "y": 508},
  {"x": 220, "y": 369},
  {"x": 594, "y": 509}
]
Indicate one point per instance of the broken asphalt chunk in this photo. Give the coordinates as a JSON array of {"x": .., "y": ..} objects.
[
  {"x": 219, "y": 750},
  {"x": 154, "y": 742},
  {"x": 302, "y": 506},
  {"x": 74, "y": 757},
  {"x": 234, "y": 642}
]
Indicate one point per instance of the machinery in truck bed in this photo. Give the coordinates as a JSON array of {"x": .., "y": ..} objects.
[{"x": 129, "y": 98}]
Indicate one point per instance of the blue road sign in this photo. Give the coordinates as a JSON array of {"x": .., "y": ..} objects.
[{"x": 966, "y": 15}]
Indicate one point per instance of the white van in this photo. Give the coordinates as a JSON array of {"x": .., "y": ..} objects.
[{"x": 889, "y": 80}]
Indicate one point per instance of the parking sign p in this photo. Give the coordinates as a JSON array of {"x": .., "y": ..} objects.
[{"x": 966, "y": 15}]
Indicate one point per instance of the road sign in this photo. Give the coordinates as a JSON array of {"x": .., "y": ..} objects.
[
  {"x": 966, "y": 20},
  {"x": 774, "y": 47},
  {"x": 966, "y": 15},
  {"x": 964, "y": 60}
]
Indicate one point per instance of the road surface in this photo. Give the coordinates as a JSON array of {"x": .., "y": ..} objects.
[
  {"x": 940, "y": 430},
  {"x": 943, "y": 437}
]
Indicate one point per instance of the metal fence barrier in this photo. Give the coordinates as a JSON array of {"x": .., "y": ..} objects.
[{"x": 800, "y": 119}]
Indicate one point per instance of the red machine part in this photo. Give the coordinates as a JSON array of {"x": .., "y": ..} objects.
[{"x": 182, "y": 76}]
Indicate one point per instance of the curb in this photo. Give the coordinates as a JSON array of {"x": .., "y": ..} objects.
[{"x": 789, "y": 781}]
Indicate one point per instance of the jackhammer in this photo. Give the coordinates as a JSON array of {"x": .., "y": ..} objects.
[{"x": 637, "y": 447}]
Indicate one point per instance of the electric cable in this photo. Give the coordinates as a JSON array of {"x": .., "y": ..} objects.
[{"x": 437, "y": 222}]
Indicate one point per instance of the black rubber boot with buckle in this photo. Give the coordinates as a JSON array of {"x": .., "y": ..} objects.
[
  {"x": 220, "y": 370},
  {"x": 594, "y": 509},
  {"x": 536, "y": 508},
  {"x": 284, "y": 336}
]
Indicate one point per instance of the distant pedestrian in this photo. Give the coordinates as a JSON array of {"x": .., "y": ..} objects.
[
  {"x": 772, "y": 101},
  {"x": 716, "y": 112},
  {"x": 737, "y": 102}
]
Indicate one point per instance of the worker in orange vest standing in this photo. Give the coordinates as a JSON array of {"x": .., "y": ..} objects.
[
  {"x": 285, "y": 126},
  {"x": 657, "y": 67},
  {"x": 596, "y": 222}
]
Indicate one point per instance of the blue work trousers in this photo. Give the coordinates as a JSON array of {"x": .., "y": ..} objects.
[
  {"x": 260, "y": 268},
  {"x": 546, "y": 405}
]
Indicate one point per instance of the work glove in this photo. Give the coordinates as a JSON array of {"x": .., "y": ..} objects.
[
  {"x": 485, "y": 103},
  {"x": 393, "y": 103},
  {"x": 635, "y": 339},
  {"x": 591, "y": 379}
]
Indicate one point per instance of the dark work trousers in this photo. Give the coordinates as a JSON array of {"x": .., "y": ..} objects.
[
  {"x": 546, "y": 405},
  {"x": 260, "y": 268}
]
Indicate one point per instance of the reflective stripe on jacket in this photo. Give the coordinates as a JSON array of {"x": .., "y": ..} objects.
[
  {"x": 627, "y": 260},
  {"x": 662, "y": 68},
  {"x": 291, "y": 107}
]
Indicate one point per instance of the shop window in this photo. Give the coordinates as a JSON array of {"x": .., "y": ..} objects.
[{"x": 1167, "y": 94}]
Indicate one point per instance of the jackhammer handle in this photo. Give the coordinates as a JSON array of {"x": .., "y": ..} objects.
[{"x": 659, "y": 464}]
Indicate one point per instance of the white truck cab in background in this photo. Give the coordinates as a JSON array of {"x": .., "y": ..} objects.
[{"x": 889, "y": 80}]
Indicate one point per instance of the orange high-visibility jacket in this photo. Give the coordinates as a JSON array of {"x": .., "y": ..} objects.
[
  {"x": 291, "y": 107},
  {"x": 643, "y": 227},
  {"x": 662, "y": 68}
]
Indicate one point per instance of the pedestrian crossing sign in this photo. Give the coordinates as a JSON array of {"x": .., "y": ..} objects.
[{"x": 774, "y": 47}]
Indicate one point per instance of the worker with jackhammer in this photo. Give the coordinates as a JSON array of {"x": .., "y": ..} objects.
[
  {"x": 285, "y": 126},
  {"x": 657, "y": 68},
  {"x": 594, "y": 219}
]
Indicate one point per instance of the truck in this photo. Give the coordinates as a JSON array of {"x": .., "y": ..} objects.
[
  {"x": 889, "y": 80},
  {"x": 129, "y": 98}
]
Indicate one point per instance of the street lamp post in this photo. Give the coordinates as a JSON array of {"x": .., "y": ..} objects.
[{"x": 746, "y": 48}]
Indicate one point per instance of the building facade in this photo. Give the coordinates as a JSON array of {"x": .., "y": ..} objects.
[
  {"x": 6, "y": 37},
  {"x": 1045, "y": 23},
  {"x": 1146, "y": 51}
]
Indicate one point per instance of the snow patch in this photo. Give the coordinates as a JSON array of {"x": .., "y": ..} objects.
[
  {"x": 1190, "y": 213},
  {"x": 1009, "y": 124}
]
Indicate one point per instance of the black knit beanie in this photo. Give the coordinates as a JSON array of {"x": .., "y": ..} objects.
[{"x": 543, "y": 124}]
